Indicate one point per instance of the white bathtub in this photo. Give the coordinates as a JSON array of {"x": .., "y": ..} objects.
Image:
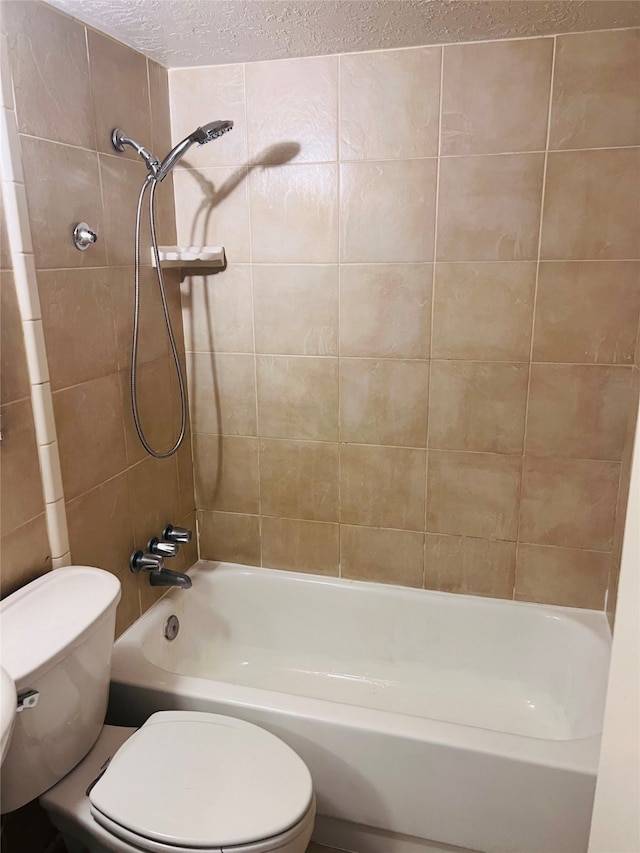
[{"x": 455, "y": 719}]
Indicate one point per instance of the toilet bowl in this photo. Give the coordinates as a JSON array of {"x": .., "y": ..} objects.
[{"x": 184, "y": 781}]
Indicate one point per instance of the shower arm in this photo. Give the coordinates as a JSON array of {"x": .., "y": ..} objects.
[{"x": 119, "y": 140}]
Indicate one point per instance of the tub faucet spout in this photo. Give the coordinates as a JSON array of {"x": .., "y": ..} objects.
[{"x": 167, "y": 577}]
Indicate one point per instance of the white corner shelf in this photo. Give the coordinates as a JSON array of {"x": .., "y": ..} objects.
[{"x": 212, "y": 257}]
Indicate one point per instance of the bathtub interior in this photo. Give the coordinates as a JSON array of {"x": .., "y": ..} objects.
[{"x": 509, "y": 667}]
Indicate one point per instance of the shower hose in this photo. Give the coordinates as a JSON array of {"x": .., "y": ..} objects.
[{"x": 152, "y": 183}]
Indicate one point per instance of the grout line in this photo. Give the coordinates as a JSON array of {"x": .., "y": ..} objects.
[
  {"x": 478, "y": 262},
  {"x": 202, "y": 169},
  {"x": 412, "y": 531},
  {"x": 533, "y": 312},
  {"x": 404, "y": 358},
  {"x": 431, "y": 319},
  {"x": 407, "y": 447},
  {"x": 99, "y": 164},
  {"x": 339, "y": 223},
  {"x": 431, "y": 45},
  {"x": 253, "y": 310},
  {"x": 151, "y": 124}
]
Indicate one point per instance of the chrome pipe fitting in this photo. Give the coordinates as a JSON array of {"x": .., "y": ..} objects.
[{"x": 119, "y": 140}]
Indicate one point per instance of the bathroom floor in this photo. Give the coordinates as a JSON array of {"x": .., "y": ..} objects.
[{"x": 319, "y": 848}]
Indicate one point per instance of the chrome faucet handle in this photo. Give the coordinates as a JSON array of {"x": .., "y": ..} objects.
[
  {"x": 171, "y": 533},
  {"x": 145, "y": 562},
  {"x": 162, "y": 548}
]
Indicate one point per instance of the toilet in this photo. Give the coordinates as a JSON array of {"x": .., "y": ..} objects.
[{"x": 183, "y": 781}]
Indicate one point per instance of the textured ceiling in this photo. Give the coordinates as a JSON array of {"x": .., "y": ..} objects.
[{"x": 178, "y": 33}]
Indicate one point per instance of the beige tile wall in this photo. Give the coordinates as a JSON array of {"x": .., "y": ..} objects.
[
  {"x": 67, "y": 103},
  {"x": 418, "y": 366}
]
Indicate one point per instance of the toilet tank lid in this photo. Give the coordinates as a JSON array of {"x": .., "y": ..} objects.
[{"x": 46, "y": 619}]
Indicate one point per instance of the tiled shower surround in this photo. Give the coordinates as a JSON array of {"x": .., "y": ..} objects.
[
  {"x": 418, "y": 367},
  {"x": 71, "y": 85}
]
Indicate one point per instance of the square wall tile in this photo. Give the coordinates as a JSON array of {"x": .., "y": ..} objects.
[
  {"x": 371, "y": 82},
  {"x": 299, "y": 479},
  {"x": 387, "y": 211},
  {"x": 212, "y": 209},
  {"x": 294, "y": 214},
  {"x": 595, "y": 90},
  {"x": 478, "y": 406},
  {"x": 188, "y": 555},
  {"x": 385, "y": 310},
  {"x": 116, "y": 68},
  {"x": 495, "y": 96},
  {"x": 128, "y": 609},
  {"x": 153, "y": 485},
  {"x": 49, "y": 61},
  {"x": 222, "y": 393},
  {"x": 384, "y": 556},
  {"x": 172, "y": 278},
  {"x": 300, "y": 546},
  {"x": 20, "y": 481},
  {"x": 152, "y": 344},
  {"x": 298, "y": 397},
  {"x": 79, "y": 325},
  {"x": 579, "y": 411},
  {"x": 569, "y": 502},
  {"x": 101, "y": 526},
  {"x": 295, "y": 101},
  {"x": 226, "y": 473},
  {"x": 382, "y": 486},
  {"x": 216, "y": 311},
  {"x": 121, "y": 182},
  {"x": 470, "y": 566},
  {"x": 473, "y": 494},
  {"x": 16, "y": 384},
  {"x": 296, "y": 309},
  {"x": 489, "y": 207},
  {"x": 5, "y": 251},
  {"x": 63, "y": 188},
  {"x": 25, "y": 555},
  {"x": 229, "y": 536},
  {"x": 384, "y": 401},
  {"x": 587, "y": 311},
  {"x": 160, "y": 108},
  {"x": 89, "y": 421},
  {"x": 223, "y": 87},
  {"x": 184, "y": 462},
  {"x": 160, "y": 427},
  {"x": 591, "y": 205},
  {"x": 483, "y": 311},
  {"x": 567, "y": 577}
]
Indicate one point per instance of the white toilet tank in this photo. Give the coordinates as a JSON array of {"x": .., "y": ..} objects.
[{"x": 56, "y": 641}]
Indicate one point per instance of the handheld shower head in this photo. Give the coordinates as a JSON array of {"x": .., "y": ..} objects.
[
  {"x": 210, "y": 131},
  {"x": 201, "y": 135}
]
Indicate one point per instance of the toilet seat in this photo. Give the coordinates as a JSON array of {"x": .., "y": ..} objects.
[{"x": 189, "y": 781}]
